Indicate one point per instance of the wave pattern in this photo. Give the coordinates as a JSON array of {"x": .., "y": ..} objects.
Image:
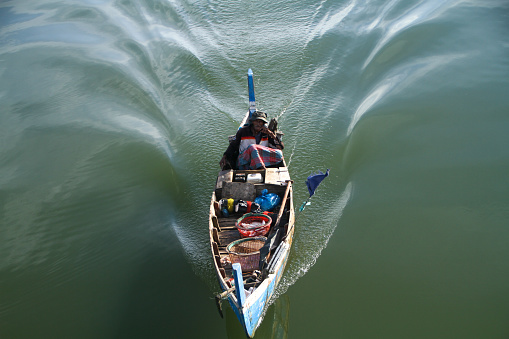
[{"x": 116, "y": 113}]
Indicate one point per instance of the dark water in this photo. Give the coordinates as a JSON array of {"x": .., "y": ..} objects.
[{"x": 114, "y": 115}]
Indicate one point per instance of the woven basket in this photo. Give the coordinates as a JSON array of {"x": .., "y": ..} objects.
[{"x": 246, "y": 252}]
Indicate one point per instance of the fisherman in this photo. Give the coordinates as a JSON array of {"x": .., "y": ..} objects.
[{"x": 254, "y": 146}]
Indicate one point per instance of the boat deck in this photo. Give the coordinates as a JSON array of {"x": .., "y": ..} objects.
[{"x": 223, "y": 229}]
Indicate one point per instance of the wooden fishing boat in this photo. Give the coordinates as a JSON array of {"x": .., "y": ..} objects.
[{"x": 248, "y": 275}]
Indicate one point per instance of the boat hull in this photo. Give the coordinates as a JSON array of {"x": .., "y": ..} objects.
[
  {"x": 251, "y": 312},
  {"x": 251, "y": 306}
]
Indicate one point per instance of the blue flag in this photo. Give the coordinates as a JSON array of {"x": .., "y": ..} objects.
[{"x": 314, "y": 180}]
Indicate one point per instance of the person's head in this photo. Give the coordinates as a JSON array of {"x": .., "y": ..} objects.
[
  {"x": 257, "y": 120},
  {"x": 258, "y": 115}
]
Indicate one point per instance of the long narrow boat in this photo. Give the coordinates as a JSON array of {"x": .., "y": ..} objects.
[{"x": 248, "y": 276}]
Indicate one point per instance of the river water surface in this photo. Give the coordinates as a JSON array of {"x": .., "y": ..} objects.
[{"x": 114, "y": 115}]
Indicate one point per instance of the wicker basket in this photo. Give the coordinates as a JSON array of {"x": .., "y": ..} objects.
[{"x": 246, "y": 252}]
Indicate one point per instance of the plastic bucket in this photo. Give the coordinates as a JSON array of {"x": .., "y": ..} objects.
[{"x": 253, "y": 225}]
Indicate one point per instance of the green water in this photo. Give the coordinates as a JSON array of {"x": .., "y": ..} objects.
[{"x": 114, "y": 115}]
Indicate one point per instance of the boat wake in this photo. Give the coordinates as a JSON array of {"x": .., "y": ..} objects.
[{"x": 312, "y": 238}]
